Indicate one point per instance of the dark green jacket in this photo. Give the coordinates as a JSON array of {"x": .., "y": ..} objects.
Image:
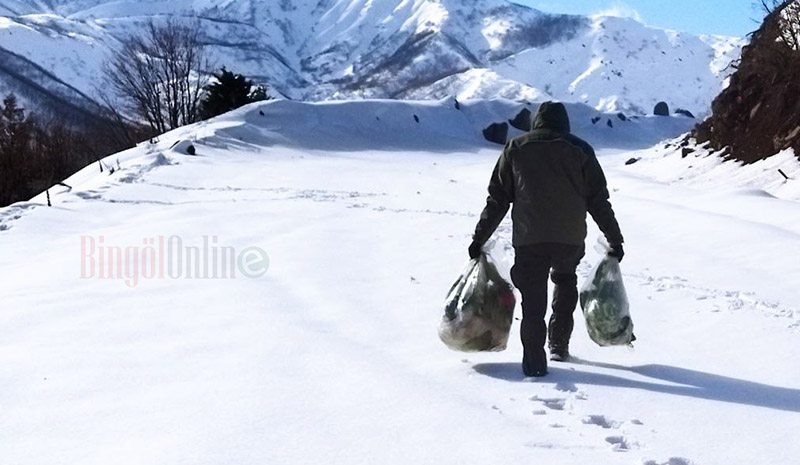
[{"x": 553, "y": 179}]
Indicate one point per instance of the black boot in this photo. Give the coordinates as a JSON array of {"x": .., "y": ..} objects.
[
  {"x": 559, "y": 354},
  {"x": 534, "y": 365}
]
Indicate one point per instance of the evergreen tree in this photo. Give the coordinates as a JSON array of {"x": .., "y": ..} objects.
[
  {"x": 16, "y": 157},
  {"x": 228, "y": 92}
]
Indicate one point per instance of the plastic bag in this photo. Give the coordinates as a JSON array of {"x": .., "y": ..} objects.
[
  {"x": 479, "y": 309},
  {"x": 605, "y": 305}
]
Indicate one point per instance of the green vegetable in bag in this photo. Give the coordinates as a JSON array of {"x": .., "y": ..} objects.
[
  {"x": 479, "y": 309},
  {"x": 605, "y": 305}
]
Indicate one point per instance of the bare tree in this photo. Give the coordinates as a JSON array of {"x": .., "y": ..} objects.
[
  {"x": 161, "y": 73},
  {"x": 787, "y": 13}
]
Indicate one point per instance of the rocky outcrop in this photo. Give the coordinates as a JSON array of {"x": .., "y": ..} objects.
[
  {"x": 497, "y": 133},
  {"x": 661, "y": 109},
  {"x": 758, "y": 114},
  {"x": 522, "y": 121}
]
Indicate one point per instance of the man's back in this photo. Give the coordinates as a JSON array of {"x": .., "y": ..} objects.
[
  {"x": 552, "y": 178},
  {"x": 549, "y": 190}
]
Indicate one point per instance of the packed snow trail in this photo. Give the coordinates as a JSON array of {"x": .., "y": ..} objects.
[{"x": 333, "y": 354}]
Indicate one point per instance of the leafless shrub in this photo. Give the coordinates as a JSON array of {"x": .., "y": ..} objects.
[{"x": 161, "y": 74}]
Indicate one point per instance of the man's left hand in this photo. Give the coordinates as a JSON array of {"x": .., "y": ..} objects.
[
  {"x": 617, "y": 252},
  {"x": 475, "y": 250}
]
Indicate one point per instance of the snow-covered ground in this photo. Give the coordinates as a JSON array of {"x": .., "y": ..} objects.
[
  {"x": 776, "y": 176},
  {"x": 332, "y": 356}
]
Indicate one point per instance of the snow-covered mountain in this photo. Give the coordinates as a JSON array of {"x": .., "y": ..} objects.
[{"x": 321, "y": 49}]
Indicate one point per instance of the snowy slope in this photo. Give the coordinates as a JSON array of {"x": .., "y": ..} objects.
[
  {"x": 775, "y": 176},
  {"x": 643, "y": 65},
  {"x": 311, "y": 49},
  {"x": 332, "y": 356}
]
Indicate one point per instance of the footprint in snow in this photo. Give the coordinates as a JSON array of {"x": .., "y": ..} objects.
[
  {"x": 552, "y": 404},
  {"x": 12, "y": 213},
  {"x": 621, "y": 443},
  {"x": 671, "y": 461},
  {"x": 571, "y": 388},
  {"x": 89, "y": 195},
  {"x": 601, "y": 421},
  {"x": 718, "y": 300},
  {"x": 566, "y": 387}
]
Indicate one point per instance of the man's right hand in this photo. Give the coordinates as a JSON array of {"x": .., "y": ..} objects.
[
  {"x": 617, "y": 252},
  {"x": 475, "y": 250}
]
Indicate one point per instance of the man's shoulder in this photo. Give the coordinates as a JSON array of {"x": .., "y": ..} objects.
[
  {"x": 519, "y": 140},
  {"x": 549, "y": 136},
  {"x": 580, "y": 143},
  {"x": 537, "y": 135}
]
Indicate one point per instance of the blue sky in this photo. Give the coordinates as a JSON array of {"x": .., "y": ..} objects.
[{"x": 728, "y": 17}]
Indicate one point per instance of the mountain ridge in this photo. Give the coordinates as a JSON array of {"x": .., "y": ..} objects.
[{"x": 338, "y": 49}]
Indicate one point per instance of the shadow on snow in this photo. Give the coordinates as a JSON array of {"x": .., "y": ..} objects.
[{"x": 683, "y": 382}]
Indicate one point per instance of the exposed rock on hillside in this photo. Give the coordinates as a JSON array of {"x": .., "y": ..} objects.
[
  {"x": 758, "y": 114},
  {"x": 496, "y": 132}
]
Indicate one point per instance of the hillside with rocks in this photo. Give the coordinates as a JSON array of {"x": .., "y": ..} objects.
[{"x": 758, "y": 114}]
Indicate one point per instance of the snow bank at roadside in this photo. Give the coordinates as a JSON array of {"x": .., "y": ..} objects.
[
  {"x": 702, "y": 168},
  {"x": 369, "y": 125}
]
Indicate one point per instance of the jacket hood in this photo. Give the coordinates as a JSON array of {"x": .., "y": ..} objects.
[{"x": 553, "y": 116}]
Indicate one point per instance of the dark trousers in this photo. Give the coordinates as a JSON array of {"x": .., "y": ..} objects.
[{"x": 532, "y": 265}]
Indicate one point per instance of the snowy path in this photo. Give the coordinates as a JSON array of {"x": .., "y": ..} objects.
[{"x": 333, "y": 356}]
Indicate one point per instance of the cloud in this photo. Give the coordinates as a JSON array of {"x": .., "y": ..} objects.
[{"x": 621, "y": 10}]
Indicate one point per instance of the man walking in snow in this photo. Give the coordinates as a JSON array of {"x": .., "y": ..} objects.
[{"x": 553, "y": 179}]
